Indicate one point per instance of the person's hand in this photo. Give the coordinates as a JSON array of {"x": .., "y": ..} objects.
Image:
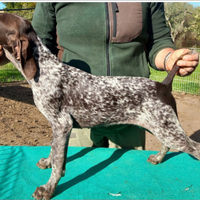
[{"x": 187, "y": 63}]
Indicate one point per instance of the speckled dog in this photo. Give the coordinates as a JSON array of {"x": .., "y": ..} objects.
[{"x": 68, "y": 96}]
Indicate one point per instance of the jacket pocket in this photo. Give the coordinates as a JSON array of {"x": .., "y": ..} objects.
[{"x": 125, "y": 21}]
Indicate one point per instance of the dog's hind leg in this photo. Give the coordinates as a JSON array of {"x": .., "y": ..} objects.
[
  {"x": 170, "y": 133},
  {"x": 157, "y": 158},
  {"x": 180, "y": 142}
]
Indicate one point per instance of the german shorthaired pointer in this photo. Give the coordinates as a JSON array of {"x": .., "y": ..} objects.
[{"x": 68, "y": 96}]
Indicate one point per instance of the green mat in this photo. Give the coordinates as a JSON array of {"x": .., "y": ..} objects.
[{"x": 98, "y": 173}]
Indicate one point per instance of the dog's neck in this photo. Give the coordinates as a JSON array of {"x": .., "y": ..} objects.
[
  {"x": 46, "y": 61},
  {"x": 41, "y": 54}
]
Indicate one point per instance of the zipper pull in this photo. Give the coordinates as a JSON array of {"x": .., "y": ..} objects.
[{"x": 115, "y": 7}]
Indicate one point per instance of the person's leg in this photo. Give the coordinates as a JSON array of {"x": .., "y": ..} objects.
[
  {"x": 126, "y": 136},
  {"x": 98, "y": 137}
]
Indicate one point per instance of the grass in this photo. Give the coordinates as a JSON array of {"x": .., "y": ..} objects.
[{"x": 8, "y": 73}]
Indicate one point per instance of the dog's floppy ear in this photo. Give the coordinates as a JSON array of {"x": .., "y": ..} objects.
[{"x": 22, "y": 52}]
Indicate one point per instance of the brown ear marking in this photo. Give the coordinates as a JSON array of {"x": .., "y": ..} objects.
[
  {"x": 22, "y": 52},
  {"x": 27, "y": 61},
  {"x": 15, "y": 44}
]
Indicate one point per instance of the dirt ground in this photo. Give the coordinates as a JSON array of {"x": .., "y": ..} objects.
[{"x": 22, "y": 124}]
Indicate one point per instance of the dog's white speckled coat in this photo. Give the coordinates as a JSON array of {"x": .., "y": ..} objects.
[{"x": 69, "y": 97}]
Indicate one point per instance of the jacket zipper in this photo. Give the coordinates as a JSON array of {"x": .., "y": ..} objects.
[
  {"x": 107, "y": 39},
  {"x": 114, "y": 10}
]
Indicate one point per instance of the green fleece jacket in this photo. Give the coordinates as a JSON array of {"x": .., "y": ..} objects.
[{"x": 110, "y": 39}]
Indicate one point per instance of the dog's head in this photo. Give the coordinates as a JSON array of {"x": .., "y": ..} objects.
[{"x": 17, "y": 36}]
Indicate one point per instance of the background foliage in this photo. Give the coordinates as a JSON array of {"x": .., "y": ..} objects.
[
  {"x": 28, "y": 14},
  {"x": 184, "y": 21}
]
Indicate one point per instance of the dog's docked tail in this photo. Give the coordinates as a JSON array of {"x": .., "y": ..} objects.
[{"x": 169, "y": 79}]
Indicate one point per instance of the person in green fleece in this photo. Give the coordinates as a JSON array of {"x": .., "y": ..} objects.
[{"x": 111, "y": 39}]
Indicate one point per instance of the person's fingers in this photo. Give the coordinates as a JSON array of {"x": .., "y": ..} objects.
[{"x": 187, "y": 60}]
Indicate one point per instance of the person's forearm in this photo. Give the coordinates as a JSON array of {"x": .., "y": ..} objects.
[{"x": 159, "y": 60}]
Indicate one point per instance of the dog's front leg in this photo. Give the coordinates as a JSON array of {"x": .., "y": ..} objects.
[
  {"x": 61, "y": 132},
  {"x": 45, "y": 163}
]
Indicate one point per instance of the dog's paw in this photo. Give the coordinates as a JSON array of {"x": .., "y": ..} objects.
[
  {"x": 153, "y": 159},
  {"x": 42, "y": 193},
  {"x": 44, "y": 163}
]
